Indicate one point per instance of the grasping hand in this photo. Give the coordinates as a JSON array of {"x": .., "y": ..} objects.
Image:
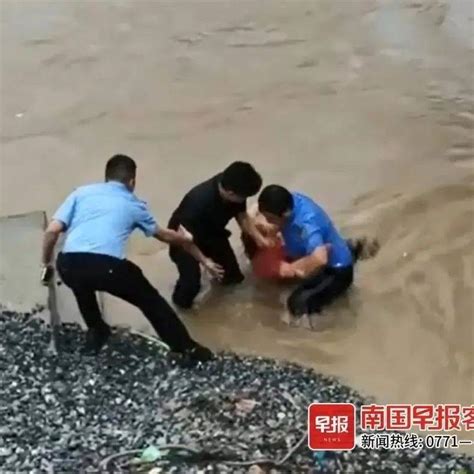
[
  {"x": 265, "y": 227},
  {"x": 287, "y": 271},
  {"x": 46, "y": 274},
  {"x": 263, "y": 242},
  {"x": 214, "y": 269}
]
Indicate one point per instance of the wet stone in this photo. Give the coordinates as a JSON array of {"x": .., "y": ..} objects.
[{"x": 66, "y": 413}]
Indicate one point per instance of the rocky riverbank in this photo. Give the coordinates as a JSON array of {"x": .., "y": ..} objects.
[{"x": 71, "y": 413}]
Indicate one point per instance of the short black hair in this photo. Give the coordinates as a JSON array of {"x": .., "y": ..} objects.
[
  {"x": 242, "y": 179},
  {"x": 120, "y": 168},
  {"x": 275, "y": 199}
]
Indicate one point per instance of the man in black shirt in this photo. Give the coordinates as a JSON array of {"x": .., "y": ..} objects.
[{"x": 205, "y": 211}]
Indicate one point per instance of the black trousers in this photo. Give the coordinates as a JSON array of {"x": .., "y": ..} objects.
[
  {"x": 319, "y": 290},
  {"x": 189, "y": 281},
  {"x": 86, "y": 273}
]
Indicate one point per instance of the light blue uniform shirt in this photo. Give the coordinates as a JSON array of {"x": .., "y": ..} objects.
[
  {"x": 99, "y": 218},
  {"x": 309, "y": 227}
]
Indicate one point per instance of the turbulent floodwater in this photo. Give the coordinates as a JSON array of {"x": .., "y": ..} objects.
[{"x": 367, "y": 106}]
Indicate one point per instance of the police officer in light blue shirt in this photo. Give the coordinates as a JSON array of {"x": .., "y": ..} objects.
[
  {"x": 108, "y": 214},
  {"x": 98, "y": 220},
  {"x": 317, "y": 254}
]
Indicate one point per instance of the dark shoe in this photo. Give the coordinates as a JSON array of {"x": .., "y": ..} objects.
[
  {"x": 95, "y": 340},
  {"x": 200, "y": 353},
  {"x": 192, "y": 357},
  {"x": 363, "y": 248},
  {"x": 356, "y": 247}
]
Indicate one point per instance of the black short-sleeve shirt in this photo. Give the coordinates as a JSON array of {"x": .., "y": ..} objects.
[{"x": 205, "y": 213}]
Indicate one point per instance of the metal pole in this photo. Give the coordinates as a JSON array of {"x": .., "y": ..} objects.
[{"x": 54, "y": 316}]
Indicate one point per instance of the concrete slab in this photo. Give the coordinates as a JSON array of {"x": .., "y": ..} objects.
[{"x": 20, "y": 257}]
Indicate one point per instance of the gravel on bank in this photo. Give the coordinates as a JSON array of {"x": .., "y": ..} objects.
[{"x": 68, "y": 412}]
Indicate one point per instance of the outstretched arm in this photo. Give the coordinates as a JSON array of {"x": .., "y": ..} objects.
[
  {"x": 184, "y": 239},
  {"x": 51, "y": 236},
  {"x": 59, "y": 223},
  {"x": 212, "y": 267},
  {"x": 173, "y": 237},
  {"x": 181, "y": 237},
  {"x": 147, "y": 223}
]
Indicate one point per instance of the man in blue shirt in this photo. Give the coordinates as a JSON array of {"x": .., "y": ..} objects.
[
  {"x": 98, "y": 219},
  {"x": 317, "y": 253}
]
